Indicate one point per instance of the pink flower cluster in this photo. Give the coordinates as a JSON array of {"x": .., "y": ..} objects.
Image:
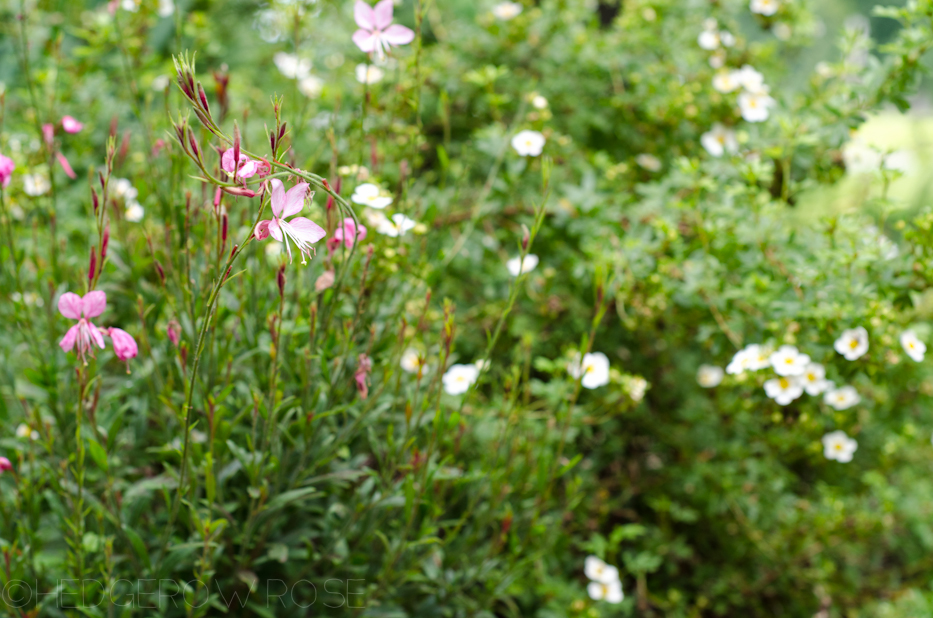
[
  {"x": 85, "y": 335},
  {"x": 377, "y": 33}
]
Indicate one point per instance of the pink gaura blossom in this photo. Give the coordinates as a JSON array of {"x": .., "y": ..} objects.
[
  {"x": 6, "y": 170},
  {"x": 84, "y": 334},
  {"x": 348, "y": 234},
  {"x": 244, "y": 166},
  {"x": 5, "y": 464},
  {"x": 124, "y": 346},
  {"x": 70, "y": 125},
  {"x": 301, "y": 231},
  {"x": 65, "y": 165},
  {"x": 377, "y": 33}
]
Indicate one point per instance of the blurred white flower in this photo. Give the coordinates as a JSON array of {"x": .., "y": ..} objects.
[
  {"x": 160, "y": 82},
  {"x": 719, "y": 140},
  {"x": 902, "y": 161},
  {"x": 369, "y": 74},
  {"x": 648, "y": 162},
  {"x": 754, "y": 105},
  {"x": 842, "y": 398},
  {"x": 311, "y": 86},
  {"x": 750, "y": 79},
  {"x": 860, "y": 158},
  {"x": 24, "y": 431},
  {"x": 785, "y": 389},
  {"x": 412, "y": 360},
  {"x": 838, "y": 446},
  {"x": 912, "y": 345},
  {"x": 727, "y": 81},
  {"x": 751, "y": 358},
  {"x": 726, "y": 38},
  {"x": 594, "y": 369},
  {"x": 765, "y": 7},
  {"x": 782, "y": 31},
  {"x": 517, "y": 265},
  {"x": 852, "y": 343},
  {"x": 507, "y": 10},
  {"x": 459, "y": 378},
  {"x": 788, "y": 361},
  {"x": 539, "y": 102},
  {"x": 370, "y": 195},
  {"x": 291, "y": 66},
  {"x": 611, "y": 593},
  {"x": 130, "y": 5},
  {"x": 599, "y": 571},
  {"x": 166, "y": 8},
  {"x": 397, "y": 226},
  {"x": 717, "y": 59},
  {"x": 482, "y": 364},
  {"x": 708, "y": 39},
  {"x": 637, "y": 386},
  {"x": 36, "y": 184},
  {"x": 814, "y": 379},
  {"x": 134, "y": 212},
  {"x": 709, "y": 376},
  {"x": 528, "y": 143},
  {"x": 30, "y": 299},
  {"x": 124, "y": 189}
]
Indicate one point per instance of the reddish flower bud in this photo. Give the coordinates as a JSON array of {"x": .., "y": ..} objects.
[
  {"x": 280, "y": 280},
  {"x": 160, "y": 271},
  {"x": 5, "y": 465},
  {"x": 241, "y": 191},
  {"x": 174, "y": 332},
  {"x": 223, "y": 228},
  {"x": 92, "y": 267},
  {"x": 95, "y": 200},
  {"x": 105, "y": 241}
]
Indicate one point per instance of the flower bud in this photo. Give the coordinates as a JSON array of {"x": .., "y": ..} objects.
[
  {"x": 526, "y": 237},
  {"x": 95, "y": 200},
  {"x": 241, "y": 191},
  {"x": 280, "y": 280},
  {"x": 5, "y": 465},
  {"x": 92, "y": 267},
  {"x": 174, "y": 332},
  {"x": 124, "y": 346},
  {"x": 161, "y": 272},
  {"x": 224, "y": 222},
  {"x": 104, "y": 243}
]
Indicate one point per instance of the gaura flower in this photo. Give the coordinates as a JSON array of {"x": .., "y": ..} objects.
[
  {"x": 348, "y": 234},
  {"x": 599, "y": 571},
  {"x": 174, "y": 332},
  {"x": 765, "y": 7},
  {"x": 369, "y": 74},
  {"x": 5, "y": 465},
  {"x": 377, "y": 33},
  {"x": 784, "y": 389},
  {"x": 852, "y": 343},
  {"x": 710, "y": 376},
  {"x": 517, "y": 265},
  {"x": 814, "y": 379},
  {"x": 507, "y": 11},
  {"x": 70, "y": 125},
  {"x": 719, "y": 140},
  {"x": 244, "y": 167},
  {"x": 842, "y": 398},
  {"x": 636, "y": 386},
  {"x": 301, "y": 231},
  {"x": 788, "y": 361},
  {"x": 754, "y": 105},
  {"x": 528, "y": 143},
  {"x": 369, "y": 194},
  {"x": 84, "y": 334},
  {"x": 912, "y": 345},
  {"x": 6, "y": 170},
  {"x": 594, "y": 370},
  {"x": 397, "y": 226},
  {"x": 838, "y": 446},
  {"x": 459, "y": 378}
]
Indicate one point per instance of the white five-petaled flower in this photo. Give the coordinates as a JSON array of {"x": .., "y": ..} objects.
[
  {"x": 750, "y": 79},
  {"x": 518, "y": 266},
  {"x": 611, "y": 593},
  {"x": 459, "y": 378},
  {"x": 36, "y": 184},
  {"x": 413, "y": 361},
  {"x": 842, "y": 398},
  {"x": 594, "y": 369},
  {"x": 507, "y": 10},
  {"x": 369, "y": 74},
  {"x": 528, "y": 143},
  {"x": 709, "y": 376},
  {"x": 292, "y": 66},
  {"x": 719, "y": 140},
  {"x": 754, "y": 105},
  {"x": 637, "y": 386},
  {"x": 134, "y": 212},
  {"x": 751, "y": 358},
  {"x": 912, "y": 345},
  {"x": 727, "y": 81},
  {"x": 605, "y": 584},
  {"x": 789, "y": 361},
  {"x": 538, "y": 102},
  {"x": 852, "y": 343},
  {"x": 765, "y": 7},
  {"x": 814, "y": 379},
  {"x": 395, "y": 226},
  {"x": 838, "y": 446},
  {"x": 784, "y": 389},
  {"x": 370, "y": 195}
]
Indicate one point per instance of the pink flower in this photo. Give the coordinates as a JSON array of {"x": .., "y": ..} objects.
[
  {"x": 245, "y": 167},
  {"x": 174, "y": 332},
  {"x": 348, "y": 233},
  {"x": 377, "y": 33},
  {"x": 83, "y": 334},
  {"x": 71, "y": 125},
  {"x": 6, "y": 170},
  {"x": 5, "y": 464},
  {"x": 364, "y": 365},
  {"x": 124, "y": 346},
  {"x": 65, "y": 165},
  {"x": 48, "y": 133},
  {"x": 301, "y": 231}
]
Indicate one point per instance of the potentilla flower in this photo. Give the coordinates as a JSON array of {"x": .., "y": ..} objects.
[
  {"x": 912, "y": 345},
  {"x": 739, "y": 362},
  {"x": 708, "y": 40},
  {"x": 5, "y": 465},
  {"x": 517, "y": 265},
  {"x": 838, "y": 446},
  {"x": 124, "y": 346},
  {"x": 861, "y": 158},
  {"x": 84, "y": 334},
  {"x": 611, "y": 592},
  {"x": 765, "y": 7},
  {"x": 134, "y": 212},
  {"x": 814, "y": 379},
  {"x": 301, "y": 231},
  {"x": 594, "y": 370},
  {"x": 788, "y": 361},
  {"x": 719, "y": 140},
  {"x": 710, "y": 376},
  {"x": 25, "y": 431},
  {"x": 369, "y": 74},
  {"x": 648, "y": 162},
  {"x": 459, "y": 378},
  {"x": 412, "y": 361},
  {"x": 291, "y": 66},
  {"x": 784, "y": 389},
  {"x": 124, "y": 189},
  {"x": 311, "y": 86},
  {"x": 507, "y": 10},
  {"x": 244, "y": 166},
  {"x": 370, "y": 195},
  {"x": 6, "y": 170},
  {"x": 751, "y": 358},
  {"x": 842, "y": 398},
  {"x": 377, "y": 33},
  {"x": 727, "y": 81},
  {"x": 70, "y": 125},
  {"x": 348, "y": 234},
  {"x": 528, "y": 143},
  {"x": 754, "y": 105},
  {"x": 636, "y": 386},
  {"x": 166, "y": 8},
  {"x": 36, "y": 184},
  {"x": 397, "y": 226},
  {"x": 717, "y": 59},
  {"x": 750, "y": 79},
  {"x": 852, "y": 343},
  {"x": 599, "y": 571},
  {"x": 538, "y": 102}
]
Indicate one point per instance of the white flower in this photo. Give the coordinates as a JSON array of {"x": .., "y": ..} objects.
[
  {"x": 528, "y": 143},
  {"x": 726, "y": 38},
  {"x": 842, "y": 398},
  {"x": 397, "y": 226},
  {"x": 130, "y": 5},
  {"x": 709, "y": 376},
  {"x": 482, "y": 364},
  {"x": 902, "y": 161},
  {"x": 369, "y": 74},
  {"x": 594, "y": 370},
  {"x": 637, "y": 387},
  {"x": 134, "y": 212},
  {"x": 852, "y": 343},
  {"x": 538, "y": 102},
  {"x": 752, "y": 358},
  {"x": 784, "y": 390},
  {"x": 611, "y": 593},
  {"x": 311, "y": 86},
  {"x": 30, "y": 299},
  {"x": 124, "y": 189},
  {"x": 788, "y": 361},
  {"x": 750, "y": 79},
  {"x": 291, "y": 66},
  {"x": 814, "y": 379},
  {"x": 519, "y": 266},
  {"x": 36, "y": 184},
  {"x": 599, "y": 571},
  {"x": 412, "y": 360},
  {"x": 838, "y": 446},
  {"x": 459, "y": 378},
  {"x": 717, "y": 59},
  {"x": 912, "y": 345},
  {"x": 860, "y": 158},
  {"x": 160, "y": 82},
  {"x": 648, "y": 162},
  {"x": 727, "y": 81},
  {"x": 754, "y": 105},
  {"x": 507, "y": 10},
  {"x": 24, "y": 431},
  {"x": 369, "y": 194},
  {"x": 166, "y": 8},
  {"x": 765, "y": 7},
  {"x": 708, "y": 39},
  {"x": 719, "y": 140}
]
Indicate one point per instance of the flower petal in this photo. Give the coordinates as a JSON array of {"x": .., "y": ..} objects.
[
  {"x": 274, "y": 230},
  {"x": 68, "y": 341},
  {"x": 398, "y": 35},
  {"x": 94, "y": 304},
  {"x": 307, "y": 230},
  {"x": 365, "y": 40},
  {"x": 96, "y": 335},
  {"x": 69, "y": 305},
  {"x": 364, "y": 15},
  {"x": 262, "y": 230},
  {"x": 278, "y": 197},
  {"x": 295, "y": 199},
  {"x": 383, "y": 14}
]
